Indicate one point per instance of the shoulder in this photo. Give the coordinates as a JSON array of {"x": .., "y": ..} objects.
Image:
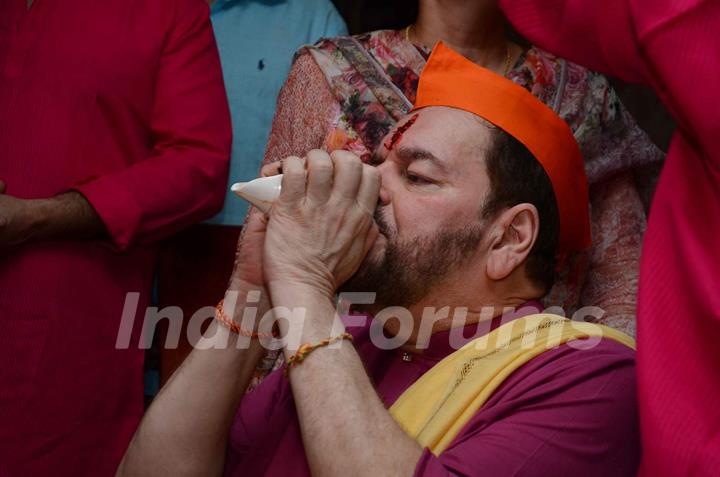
[
  {"x": 542, "y": 62},
  {"x": 184, "y": 7},
  {"x": 566, "y": 412},
  {"x": 318, "y": 18},
  {"x": 582, "y": 361},
  {"x": 186, "y": 17},
  {"x": 569, "y": 88},
  {"x": 588, "y": 386},
  {"x": 368, "y": 39},
  {"x": 334, "y": 52},
  {"x": 586, "y": 100}
]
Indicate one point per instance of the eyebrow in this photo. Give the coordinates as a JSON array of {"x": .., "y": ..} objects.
[{"x": 412, "y": 154}]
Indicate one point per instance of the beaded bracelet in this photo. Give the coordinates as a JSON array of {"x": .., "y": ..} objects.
[
  {"x": 230, "y": 324},
  {"x": 306, "y": 349}
]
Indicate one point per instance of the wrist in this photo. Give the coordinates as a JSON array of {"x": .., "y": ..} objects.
[
  {"x": 292, "y": 294},
  {"x": 240, "y": 296},
  {"x": 308, "y": 314},
  {"x": 38, "y": 217},
  {"x": 243, "y": 287}
]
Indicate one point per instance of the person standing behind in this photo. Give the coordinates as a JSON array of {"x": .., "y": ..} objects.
[
  {"x": 114, "y": 133},
  {"x": 257, "y": 41},
  {"x": 355, "y": 89},
  {"x": 673, "y": 47}
]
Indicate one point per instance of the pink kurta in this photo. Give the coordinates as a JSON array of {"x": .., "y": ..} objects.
[
  {"x": 673, "y": 46},
  {"x": 567, "y": 412},
  {"x": 123, "y": 101}
]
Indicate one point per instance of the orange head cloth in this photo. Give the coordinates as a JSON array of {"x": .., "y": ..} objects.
[{"x": 451, "y": 80}]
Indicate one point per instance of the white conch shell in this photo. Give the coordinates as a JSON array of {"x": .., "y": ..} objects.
[{"x": 260, "y": 192}]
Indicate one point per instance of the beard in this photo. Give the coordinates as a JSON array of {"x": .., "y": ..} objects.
[{"x": 409, "y": 269}]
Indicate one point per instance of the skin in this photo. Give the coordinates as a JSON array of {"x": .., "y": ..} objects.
[
  {"x": 319, "y": 233},
  {"x": 474, "y": 29},
  {"x": 68, "y": 216},
  {"x": 418, "y": 196}
]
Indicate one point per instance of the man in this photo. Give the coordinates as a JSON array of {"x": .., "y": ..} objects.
[
  {"x": 673, "y": 47},
  {"x": 114, "y": 132},
  {"x": 256, "y": 40},
  {"x": 467, "y": 219}
]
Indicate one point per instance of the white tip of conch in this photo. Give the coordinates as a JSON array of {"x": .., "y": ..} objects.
[{"x": 260, "y": 192}]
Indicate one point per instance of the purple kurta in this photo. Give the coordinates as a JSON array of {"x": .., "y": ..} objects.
[{"x": 566, "y": 412}]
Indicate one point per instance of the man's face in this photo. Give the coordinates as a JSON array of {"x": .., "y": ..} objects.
[{"x": 433, "y": 186}]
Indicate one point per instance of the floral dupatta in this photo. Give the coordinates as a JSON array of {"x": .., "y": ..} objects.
[{"x": 373, "y": 82}]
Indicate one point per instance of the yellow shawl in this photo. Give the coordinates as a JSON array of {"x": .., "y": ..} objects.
[{"x": 438, "y": 405}]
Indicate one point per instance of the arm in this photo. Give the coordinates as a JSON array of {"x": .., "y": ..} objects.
[
  {"x": 338, "y": 407},
  {"x": 315, "y": 241},
  {"x": 64, "y": 217},
  {"x": 184, "y": 178},
  {"x": 669, "y": 45},
  {"x": 185, "y": 431},
  {"x": 598, "y": 35}
]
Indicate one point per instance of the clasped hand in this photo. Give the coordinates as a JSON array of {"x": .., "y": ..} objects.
[{"x": 321, "y": 227}]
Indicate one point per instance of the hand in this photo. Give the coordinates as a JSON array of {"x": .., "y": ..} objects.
[
  {"x": 248, "y": 269},
  {"x": 18, "y": 218},
  {"x": 321, "y": 226}
]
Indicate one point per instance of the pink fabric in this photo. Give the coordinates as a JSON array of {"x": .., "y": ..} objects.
[
  {"x": 671, "y": 45},
  {"x": 566, "y": 412},
  {"x": 123, "y": 101}
]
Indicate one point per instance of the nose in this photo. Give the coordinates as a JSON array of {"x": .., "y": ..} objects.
[{"x": 385, "y": 195}]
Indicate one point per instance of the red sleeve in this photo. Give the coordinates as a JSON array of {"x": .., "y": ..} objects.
[
  {"x": 596, "y": 34},
  {"x": 567, "y": 412},
  {"x": 184, "y": 178},
  {"x": 680, "y": 45},
  {"x": 669, "y": 44}
]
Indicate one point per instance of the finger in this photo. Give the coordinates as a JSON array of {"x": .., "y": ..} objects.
[
  {"x": 293, "y": 181},
  {"x": 372, "y": 235},
  {"x": 272, "y": 169},
  {"x": 2, "y": 187},
  {"x": 348, "y": 173},
  {"x": 257, "y": 219},
  {"x": 319, "y": 176},
  {"x": 256, "y": 222},
  {"x": 369, "y": 191}
]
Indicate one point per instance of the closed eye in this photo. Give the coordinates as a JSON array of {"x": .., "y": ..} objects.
[{"x": 416, "y": 179}]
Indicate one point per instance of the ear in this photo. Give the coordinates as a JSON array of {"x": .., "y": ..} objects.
[{"x": 514, "y": 233}]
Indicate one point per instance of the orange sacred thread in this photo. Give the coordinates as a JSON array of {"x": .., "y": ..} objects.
[{"x": 230, "y": 324}]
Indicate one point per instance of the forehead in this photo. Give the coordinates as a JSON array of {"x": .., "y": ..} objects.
[{"x": 451, "y": 135}]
